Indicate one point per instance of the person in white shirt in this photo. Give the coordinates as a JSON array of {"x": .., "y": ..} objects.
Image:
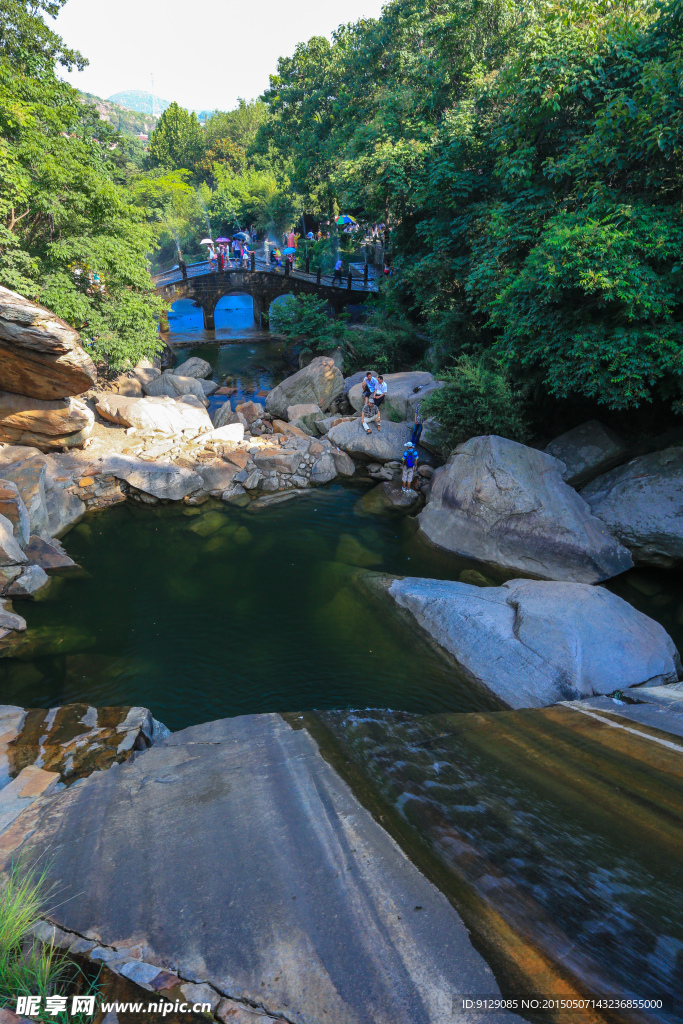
[{"x": 379, "y": 396}]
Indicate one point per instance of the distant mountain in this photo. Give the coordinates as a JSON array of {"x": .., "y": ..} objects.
[
  {"x": 142, "y": 102},
  {"x": 130, "y": 122}
]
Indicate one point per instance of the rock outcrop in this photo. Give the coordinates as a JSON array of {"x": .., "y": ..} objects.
[
  {"x": 586, "y": 451},
  {"x": 172, "y": 385},
  {"x": 319, "y": 383},
  {"x": 642, "y": 504},
  {"x": 404, "y": 392},
  {"x": 48, "y": 425},
  {"x": 535, "y": 643},
  {"x": 165, "y": 415},
  {"x": 377, "y": 446},
  {"x": 507, "y": 505},
  {"x": 40, "y": 355},
  {"x": 194, "y": 367}
]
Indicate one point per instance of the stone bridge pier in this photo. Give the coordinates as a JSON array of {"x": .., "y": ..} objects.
[{"x": 205, "y": 290}]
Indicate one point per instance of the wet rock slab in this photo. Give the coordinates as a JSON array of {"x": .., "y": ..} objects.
[{"x": 260, "y": 874}]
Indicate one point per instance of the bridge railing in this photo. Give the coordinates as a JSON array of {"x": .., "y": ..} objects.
[{"x": 201, "y": 269}]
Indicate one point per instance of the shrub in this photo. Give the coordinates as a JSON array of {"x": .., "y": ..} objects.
[
  {"x": 478, "y": 397},
  {"x": 306, "y": 319}
]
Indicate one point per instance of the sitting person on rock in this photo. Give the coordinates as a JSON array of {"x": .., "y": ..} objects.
[
  {"x": 369, "y": 385},
  {"x": 370, "y": 412},
  {"x": 409, "y": 461}
]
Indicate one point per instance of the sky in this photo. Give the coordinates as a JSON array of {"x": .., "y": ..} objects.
[{"x": 204, "y": 56}]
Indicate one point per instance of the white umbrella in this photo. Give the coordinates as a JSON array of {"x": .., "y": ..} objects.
[{"x": 206, "y": 241}]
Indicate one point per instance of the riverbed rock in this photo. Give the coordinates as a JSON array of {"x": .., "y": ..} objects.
[
  {"x": 388, "y": 497},
  {"x": 642, "y": 505},
  {"x": 163, "y": 414},
  {"x": 217, "y": 474},
  {"x": 534, "y": 643},
  {"x": 161, "y": 480},
  {"x": 145, "y": 374},
  {"x": 404, "y": 392},
  {"x": 320, "y": 382},
  {"x": 10, "y": 552},
  {"x": 194, "y": 367},
  {"x": 283, "y": 427},
  {"x": 209, "y": 387},
  {"x": 343, "y": 463},
  {"x": 231, "y": 433},
  {"x": 304, "y": 416},
  {"x": 224, "y": 416},
  {"x": 64, "y": 509},
  {"x": 13, "y": 508},
  {"x": 251, "y": 411},
  {"x": 377, "y": 446},
  {"x": 50, "y": 556},
  {"x": 587, "y": 450},
  {"x": 432, "y": 438},
  {"x": 172, "y": 386},
  {"x": 324, "y": 470},
  {"x": 8, "y": 618},
  {"x": 277, "y": 460},
  {"x": 40, "y": 355},
  {"x": 323, "y": 423},
  {"x": 507, "y": 505},
  {"x": 26, "y": 467},
  {"x": 32, "y": 579},
  {"x": 48, "y": 425}
]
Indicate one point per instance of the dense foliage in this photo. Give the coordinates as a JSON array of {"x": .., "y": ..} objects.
[
  {"x": 71, "y": 234},
  {"x": 527, "y": 158}
]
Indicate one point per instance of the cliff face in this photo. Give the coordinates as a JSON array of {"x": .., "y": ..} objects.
[{"x": 42, "y": 368}]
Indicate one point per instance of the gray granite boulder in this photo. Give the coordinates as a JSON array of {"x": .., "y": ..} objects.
[
  {"x": 642, "y": 505},
  {"x": 161, "y": 480},
  {"x": 324, "y": 469},
  {"x": 209, "y": 387},
  {"x": 385, "y": 445},
  {"x": 32, "y": 579},
  {"x": 10, "y": 552},
  {"x": 507, "y": 505},
  {"x": 173, "y": 386},
  {"x": 64, "y": 509},
  {"x": 26, "y": 467},
  {"x": 13, "y": 508},
  {"x": 319, "y": 383},
  {"x": 586, "y": 451},
  {"x": 404, "y": 392},
  {"x": 534, "y": 643},
  {"x": 163, "y": 414},
  {"x": 193, "y": 367},
  {"x": 304, "y": 416}
]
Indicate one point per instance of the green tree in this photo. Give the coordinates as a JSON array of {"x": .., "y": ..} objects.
[
  {"x": 177, "y": 140},
  {"x": 69, "y": 234}
]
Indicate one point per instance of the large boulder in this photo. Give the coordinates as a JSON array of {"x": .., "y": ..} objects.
[
  {"x": 642, "y": 504},
  {"x": 217, "y": 474},
  {"x": 535, "y": 643},
  {"x": 10, "y": 552},
  {"x": 40, "y": 355},
  {"x": 161, "y": 480},
  {"x": 50, "y": 556},
  {"x": 13, "y": 508},
  {"x": 304, "y": 417},
  {"x": 172, "y": 386},
  {"x": 319, "y": 383},
  {"x": 507, "y": 505},
  {"x": 26, "y": 467},
  {"x": 48, "y": 425},
  {"x": 404, "y": 391},
  {"x": 32, "y": 578},
  {"x": 165, "y": 415},
  {"x": 586, "y": 451},
  {"x": 64, "y": 509},
  {"x": 193, "y": 367},
  {"x": 377, "y": 446},
  {"x": 388, "y": 496}
]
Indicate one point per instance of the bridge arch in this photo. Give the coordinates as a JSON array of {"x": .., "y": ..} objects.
[{"x": 206, "y": 289}]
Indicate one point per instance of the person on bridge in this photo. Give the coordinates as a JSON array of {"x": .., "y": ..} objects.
[
  {"x": 245, "y": 256},
  {"x": 337, "y": 271}
]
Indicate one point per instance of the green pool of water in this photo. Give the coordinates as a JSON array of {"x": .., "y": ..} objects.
[{"x": 199, "y": 613}]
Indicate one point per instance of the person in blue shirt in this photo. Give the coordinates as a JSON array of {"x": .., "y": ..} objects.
[
  {"x": 369, "y": 385},
  {"x": 409, "y": 461},
  {"x": 337, "y": 272}
]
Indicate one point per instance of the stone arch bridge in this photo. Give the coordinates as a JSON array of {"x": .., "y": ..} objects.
[{"x": 205, "y": 288}]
